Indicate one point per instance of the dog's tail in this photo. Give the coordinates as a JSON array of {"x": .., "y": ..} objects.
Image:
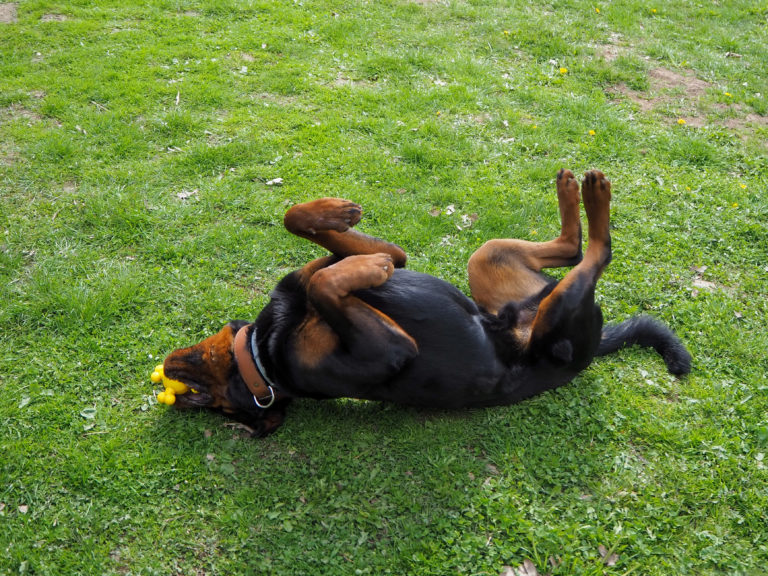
[{"x": 649, "y": 333}]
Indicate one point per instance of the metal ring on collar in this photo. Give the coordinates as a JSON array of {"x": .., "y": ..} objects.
[{"x": 269, "y": 402}]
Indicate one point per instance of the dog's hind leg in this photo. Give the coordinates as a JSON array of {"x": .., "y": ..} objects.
[
  {"x": 509, "y": 270},
  {"x": 567, "y": 325},
  {"x": 329, "y": 223}
]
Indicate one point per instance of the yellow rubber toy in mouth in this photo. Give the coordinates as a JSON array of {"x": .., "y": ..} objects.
[{"x": 172, "y": 387}]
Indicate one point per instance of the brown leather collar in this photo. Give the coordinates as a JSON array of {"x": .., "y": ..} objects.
[{"x": 247, "y": 360}]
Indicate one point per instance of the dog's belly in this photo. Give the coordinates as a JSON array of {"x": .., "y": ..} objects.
[{"x": 457, "y": 365}]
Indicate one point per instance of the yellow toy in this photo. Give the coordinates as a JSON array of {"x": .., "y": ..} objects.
[{"x": 172, "y": 387}]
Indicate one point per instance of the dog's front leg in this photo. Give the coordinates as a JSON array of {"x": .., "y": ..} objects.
[
  {"x": 344, "y": 341},
  {"x": 329, "y": 223}
]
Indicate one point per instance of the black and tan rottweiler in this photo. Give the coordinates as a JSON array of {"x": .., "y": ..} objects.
[{"x": 357, "y": 324}]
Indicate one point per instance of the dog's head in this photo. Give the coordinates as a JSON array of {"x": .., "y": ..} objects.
[{"x": 210, "y": 371}]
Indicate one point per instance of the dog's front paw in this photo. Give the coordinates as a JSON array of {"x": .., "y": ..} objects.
[
  {"x": 322, "y": 215},
  {"x": 339, "y": 215}
]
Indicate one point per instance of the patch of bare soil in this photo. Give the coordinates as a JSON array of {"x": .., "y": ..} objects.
[
  {"x": 8, "y": 13},
  {"x": 8, "y": 158},
  {"x": 281, "y": 101},
  {"x": 739, "y": 123},
  {"x": 670, "y": 89},
  {"x": 613, "y": 49},
  {"x": 683, "y": 92},
  {"x": 663, "y": 79},
  {"x": 16, "y": 112},
  {"x": 342, "y": 81},
  {"x": 744, "y": 125}
]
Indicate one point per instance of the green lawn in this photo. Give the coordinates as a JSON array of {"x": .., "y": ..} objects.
[{"x": 138, "y": 141}]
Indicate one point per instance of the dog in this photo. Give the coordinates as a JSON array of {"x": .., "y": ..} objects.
[{"x": 357, "y": 324}]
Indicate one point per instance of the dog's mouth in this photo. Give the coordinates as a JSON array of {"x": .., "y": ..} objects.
[
  {"x": 196, "y": 399},
  {"x": 179, "y": 390}
]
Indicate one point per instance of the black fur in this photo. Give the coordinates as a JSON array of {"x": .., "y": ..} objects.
[
  {"x": 647, "y": 332},
  {"x": 466, "y": 357}
]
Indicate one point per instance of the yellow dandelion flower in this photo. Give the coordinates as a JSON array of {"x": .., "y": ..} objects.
[
  {"x": 439, "y": 113},
  {"x": 729, "y": 95},
  {"x": 506, "y": 32},
  {"x": 653, "y": 10},
  {"x": 743, "y": 186},
  {"x": 735, "y": 205},
  {"x": 563, "y": 70},
  {"x": 591, "y": 132},
  {"x": 533, "y": 232},
  {"x": 681, "y": 121},
  {"x": 597, "y": 10}
]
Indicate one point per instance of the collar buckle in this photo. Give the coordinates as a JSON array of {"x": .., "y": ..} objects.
[{"x": 269, "y": 402}]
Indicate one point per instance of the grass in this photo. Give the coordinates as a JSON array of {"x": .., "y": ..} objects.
[{"x": 136, "y": 143}]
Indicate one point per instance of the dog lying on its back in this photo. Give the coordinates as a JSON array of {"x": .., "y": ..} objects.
[{"x": 357, "y": 324}]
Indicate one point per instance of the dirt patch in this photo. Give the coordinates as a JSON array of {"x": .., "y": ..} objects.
[
  {"x": 343, "y": 81},
  {"x": 756, "y": 119},
  {"x": 685, "y": 82},
  {"x": 53, "y": 18},
  {"x": 744, "y": 124},
  {"x": 8, "y": 13},
  {"x": 8, "y": 158},
  {"x": 670, "y": 89},
  {"x": 643, "y": 101},
  {"x": 613, "y": 49},
  {"x": 281, "y": 100},
  {"x": 680, "y": 96},
  {"x": 16, "y": 112},
  {"x": 481, "y": 118}
]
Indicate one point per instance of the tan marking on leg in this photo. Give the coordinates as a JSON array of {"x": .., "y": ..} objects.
[
  {"x": 309, "y": 269},
  {"x": 323, "y": 214},
  {"x": 315, "y": 340},
  {"x": 353, "y": 273},
  {"x": 501, "y": 271},
  {"x": 330, "y": 291},
  {"x": 596, "y": 193},
  {"x": 596, "y": 190},
  {"x": 328, "y": 223},
  {"x": 504, "y": 270}
]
